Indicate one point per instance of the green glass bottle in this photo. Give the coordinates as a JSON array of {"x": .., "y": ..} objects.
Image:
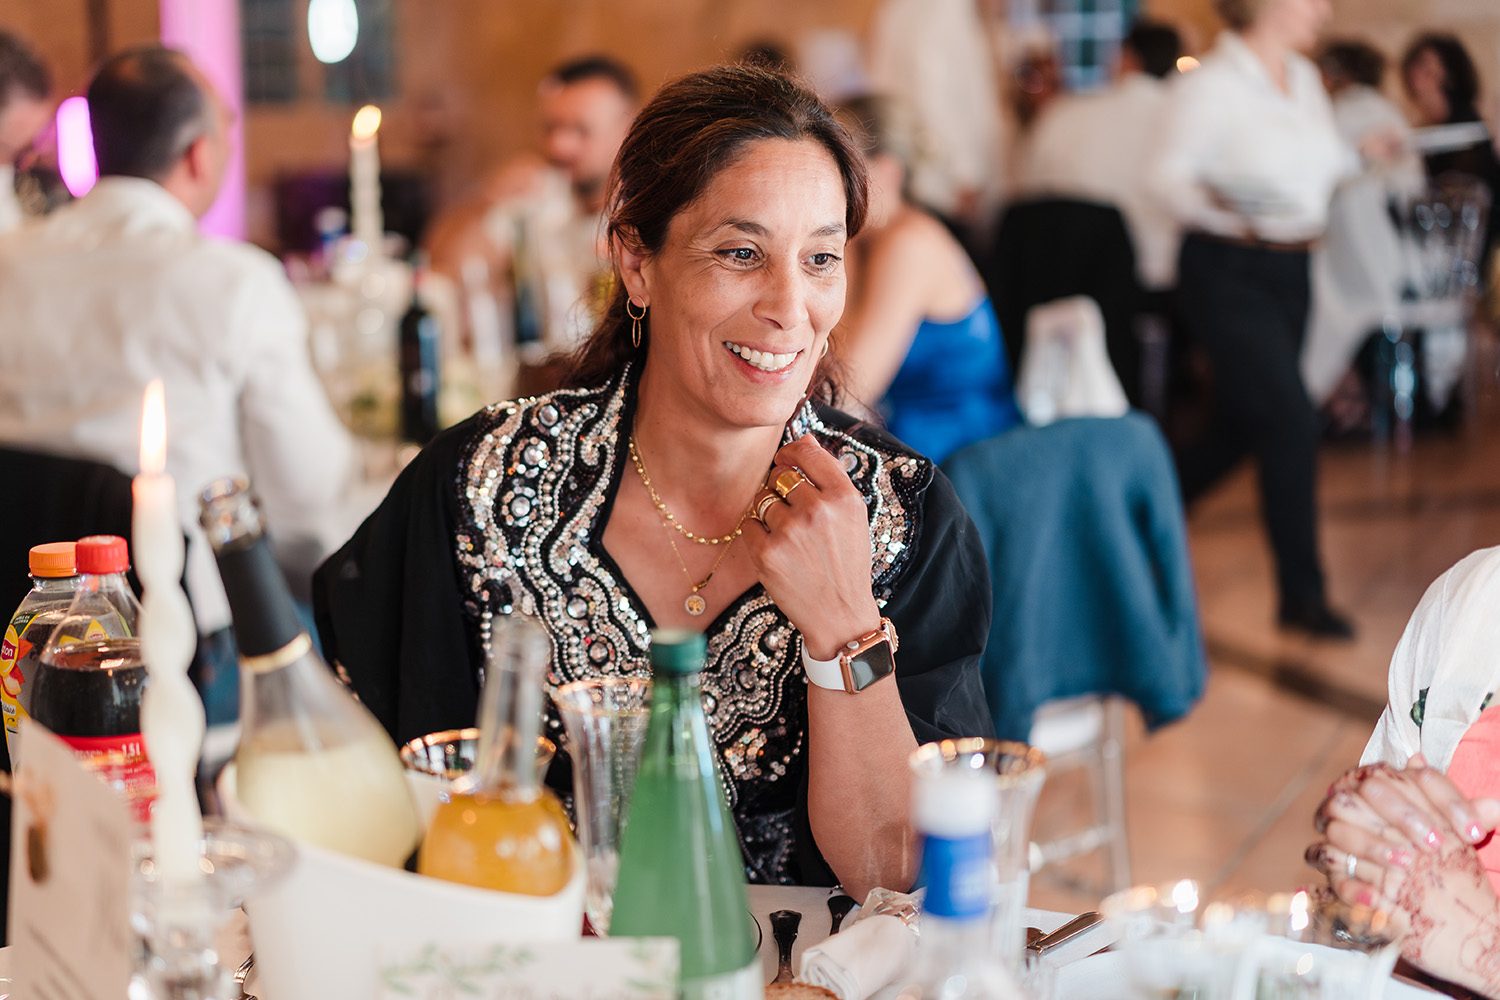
[{"x": 681, "y": 871}]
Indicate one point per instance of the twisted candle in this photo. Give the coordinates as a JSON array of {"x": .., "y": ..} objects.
[{"x": 172, "y": 722}]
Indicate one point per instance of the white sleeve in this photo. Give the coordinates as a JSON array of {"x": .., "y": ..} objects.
[
  {"x": 1397, "y": 735},
  {"x": 1188, "y": 132},
  {"x": 300, "y": 456}
]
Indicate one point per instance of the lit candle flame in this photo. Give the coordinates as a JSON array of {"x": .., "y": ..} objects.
[
  {"x": 154, "y": 430},
  {"x": 366, "y": 123}
]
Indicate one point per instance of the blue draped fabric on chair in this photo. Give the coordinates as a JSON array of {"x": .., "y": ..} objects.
[{"x": 1093, "y": 592}]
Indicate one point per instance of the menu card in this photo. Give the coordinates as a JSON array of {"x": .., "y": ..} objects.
[
  {"x": 70, "y": 876},
  {"x": 590, "y": 969}
]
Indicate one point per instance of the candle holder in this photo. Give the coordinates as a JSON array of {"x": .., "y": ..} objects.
[{"x": 180, "y": 923}]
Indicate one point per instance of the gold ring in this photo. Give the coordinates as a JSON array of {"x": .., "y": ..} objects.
[
  {"x": 763, "y": 502},
  {"x": 786, "y": 481}
]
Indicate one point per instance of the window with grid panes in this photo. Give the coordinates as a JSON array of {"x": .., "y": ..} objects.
[
  {"x": 1088, "y": 34},
  {"x": 268, "y": 40},
  {"x": 369, "y": 74}
]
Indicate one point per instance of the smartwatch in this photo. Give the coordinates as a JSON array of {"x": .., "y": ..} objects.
[{"x": 861, "y": 662}]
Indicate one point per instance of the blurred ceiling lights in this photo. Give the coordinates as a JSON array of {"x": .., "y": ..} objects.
[{"x": 332, "y": 28}]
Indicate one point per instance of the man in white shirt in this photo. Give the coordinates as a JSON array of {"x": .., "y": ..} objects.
[
  {"x": 932, "y": 60},
  {"x": 1097, "y": 147},
  {"x": 540, "y": 227},
  {"x": 119, "y": 288},
  {"x": 25, "y": 107}
]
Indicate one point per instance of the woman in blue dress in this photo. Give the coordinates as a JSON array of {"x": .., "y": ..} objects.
[{"x": 919, "y": 339}]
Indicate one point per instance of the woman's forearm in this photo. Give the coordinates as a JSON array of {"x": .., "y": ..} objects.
[{"x": 859, "y": 786}]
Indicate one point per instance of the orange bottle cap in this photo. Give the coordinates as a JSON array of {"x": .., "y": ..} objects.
[{"x": 53, "y": 559}]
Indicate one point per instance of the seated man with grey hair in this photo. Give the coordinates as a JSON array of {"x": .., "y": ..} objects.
[{"x": 119, "y": 288}]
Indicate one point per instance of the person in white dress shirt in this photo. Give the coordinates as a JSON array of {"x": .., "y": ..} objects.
[
  {"x": 25, "y": 108},
  {"x": 1248, "y": 160},
  {"x": 932, "y": 59},
  {"x": 1096, "y": 147},
  {"x": 539, "y": 226},
  {"x": 119, "y": 288}
]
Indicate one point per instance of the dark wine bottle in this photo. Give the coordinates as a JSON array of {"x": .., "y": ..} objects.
[{"x": 418, "y": 350}]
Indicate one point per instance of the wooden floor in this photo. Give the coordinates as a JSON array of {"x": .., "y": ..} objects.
[{"x": 1226, "y": 796}]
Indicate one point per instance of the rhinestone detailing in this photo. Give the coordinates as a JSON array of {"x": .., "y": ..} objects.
[{"x": 563, "y": 454}]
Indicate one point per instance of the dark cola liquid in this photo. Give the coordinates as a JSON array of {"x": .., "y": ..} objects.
[{"x": 90, "y": 689}]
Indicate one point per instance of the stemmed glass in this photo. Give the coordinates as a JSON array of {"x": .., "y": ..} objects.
[
  {"x": 178, "y": 924},
  {"x": 1018, "y": 771},
  {"x": 604, "y": 723}
]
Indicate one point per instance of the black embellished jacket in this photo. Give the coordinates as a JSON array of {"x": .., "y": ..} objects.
[{"x": 507, "y": 511}]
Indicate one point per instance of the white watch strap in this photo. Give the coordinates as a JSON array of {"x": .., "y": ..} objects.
[{"x": 824, "y": 673}]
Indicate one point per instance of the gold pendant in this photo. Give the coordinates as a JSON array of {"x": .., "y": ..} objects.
[{"x": 695, "y": 605}]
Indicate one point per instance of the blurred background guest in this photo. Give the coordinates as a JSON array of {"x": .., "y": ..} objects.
[
  {"x": 119, "y": 288},
  {"x": 1248, "y": 161},
  {"x": 933, "y": 60},
  {"x": 919, "y": 337},
  {"x": 25, "y": 109},
  {"x": 1442, "y": 84},
  {"x": 1097, "y": 146},
  {"x": 538, "y": 227},
  {"x": 1036, "y": 81},
  {"x": 1357, "y": 271}
]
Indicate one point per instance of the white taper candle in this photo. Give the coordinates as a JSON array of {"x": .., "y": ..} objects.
[{"x": 172, "y": 722}]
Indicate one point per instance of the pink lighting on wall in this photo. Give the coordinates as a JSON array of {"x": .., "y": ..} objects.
[
  {"x": 75, "y": 147},
  {"x": 209, "y": 32}
]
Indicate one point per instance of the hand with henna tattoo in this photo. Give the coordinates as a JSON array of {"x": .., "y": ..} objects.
[{"x": 1404, "y": 840}]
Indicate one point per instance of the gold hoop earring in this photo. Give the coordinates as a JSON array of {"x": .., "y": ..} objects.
[
  {"x": 635, "y": 322},
  {"x": 825, "y": 349}
]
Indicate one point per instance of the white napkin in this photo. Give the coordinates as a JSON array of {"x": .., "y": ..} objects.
[{"x": 862, "y": 959}]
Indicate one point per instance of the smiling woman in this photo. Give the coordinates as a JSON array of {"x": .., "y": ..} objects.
[{"x": 694, "y": 474}]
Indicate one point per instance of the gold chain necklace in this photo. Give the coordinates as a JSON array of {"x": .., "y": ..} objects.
[
  {"x": 670, "y": 519},
  {"x": 693, "y": 604}
]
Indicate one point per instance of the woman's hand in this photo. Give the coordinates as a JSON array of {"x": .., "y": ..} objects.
[
  {"x": 1404, "y": 840},
  {"x": 813, "y": 552}
]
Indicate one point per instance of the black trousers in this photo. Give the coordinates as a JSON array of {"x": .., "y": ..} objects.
[{"x": 1247, "y": 308}]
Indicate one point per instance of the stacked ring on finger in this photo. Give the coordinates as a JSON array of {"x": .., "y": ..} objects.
[
  {"x": 1351, "y": 864},
  {"x": 764, "y": 501},
  {"x": 786, "y": 481}
]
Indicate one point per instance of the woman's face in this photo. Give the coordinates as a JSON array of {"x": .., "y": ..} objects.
[
  {"x": 1297, "y": 23},
  {"x": 1424, "y": 80},
  {"x": 747, "y": 286}
]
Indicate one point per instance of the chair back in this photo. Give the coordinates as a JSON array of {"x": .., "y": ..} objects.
[
  {"x": 1052, "y": 248},
  {"x": 1087, "y": 546},
  {"x": 53, "y": 499}
]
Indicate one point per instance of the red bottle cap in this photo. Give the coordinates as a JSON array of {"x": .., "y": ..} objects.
[{"x": 97, "y": 555}]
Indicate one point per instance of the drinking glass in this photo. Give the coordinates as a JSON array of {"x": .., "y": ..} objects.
[
  {"x": 1175, "y": 943},
  {"x": 604, "y": 724},
  {"x": 1019, "y": 771},
  {"x": 450, "y": 754},
  {"x": 1314, "y": 949},
  {"x": 178, "y": 924}
]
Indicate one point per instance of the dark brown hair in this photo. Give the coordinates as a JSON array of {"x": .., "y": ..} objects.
[
  {"x": 21, "y": 71},
  {"x": 1460, "y": 76},
  {"x": 694, "y": 128}
]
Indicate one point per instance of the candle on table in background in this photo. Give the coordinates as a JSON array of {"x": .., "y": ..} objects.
[
  {"x": 171, "y": 714},
  {"x": 368, "y": 225}
]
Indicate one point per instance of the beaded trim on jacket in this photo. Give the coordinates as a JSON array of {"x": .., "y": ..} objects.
[{"x": 536, "y": 483}]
